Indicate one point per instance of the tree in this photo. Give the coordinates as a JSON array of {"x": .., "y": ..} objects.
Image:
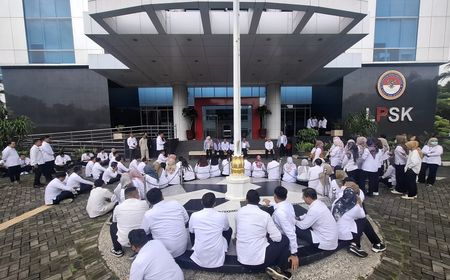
[
  {"x": 13, "y": 128},
  {"x": 358, "y": 124}
]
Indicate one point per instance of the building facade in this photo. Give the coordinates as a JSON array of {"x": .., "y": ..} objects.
[{"x": 78, "y": 64}]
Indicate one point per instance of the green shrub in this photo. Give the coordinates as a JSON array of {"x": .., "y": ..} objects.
[{"x": 307, "y": 135}]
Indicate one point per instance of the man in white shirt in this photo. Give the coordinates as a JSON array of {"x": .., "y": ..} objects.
[
  {"x": 121, "y": 168},
  {"x": 273, "y": 169},
  {"x": 111, "y": 155},
  {"x": 224, "y": 148},
  {"x": 268, "y": 145},
  {"x": 77, "y": 183},
  {"x": 99, "y": 202},
  {"x": 38, "y": 163},
  {"x": 160, "y": 142},
  {"x": 153, "y": 261},
  {"x": 166, "y": 221},
  {"x": 62, "y": 161},
  {"x": 253, "y": 248},
  {"x": 317, "y": 226},
  {"x": 103, "y": 156},
  {"x": 210, "y": 234},
  {"x": 97, "y": 169},
  {"x": 309, "y": 123},
  {"x": 245, "y": 146},
  {"x": 126, "y": 216},
  {"x": 49, "y": 156},
  {"x": 135, "y": 162},
  {"x": 110, "y": 176},
  {"x": 57, "y": 191},
  {"x": 313, "y": 175},
  {"x": 281, "y": 144},
  {"x": 132, "y": 145},
  {"x": 88, "y": 168},
  {"x": 314, "y": 122},
  {"x": 141, "y": 166},
  {"x": 25, "y": 165},
  {"x": 11, "y": 161}
]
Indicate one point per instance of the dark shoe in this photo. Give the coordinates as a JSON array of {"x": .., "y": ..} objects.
[
  {"x": 132, "y": 257},
  {"x": 377, "y": 248},
  {"x": 116, "y": 253},
  {"x": 357, "y": 251},
  {"x": 277, "y": 274}
]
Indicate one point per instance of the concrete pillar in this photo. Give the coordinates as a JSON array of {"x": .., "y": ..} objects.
[
  {"x": 180, "y": 101},
  {"x": 273, "y": 103}
]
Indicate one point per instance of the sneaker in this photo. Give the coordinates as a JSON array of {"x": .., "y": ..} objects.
[
  {"x": 376, "y": 193},
  {"x": 409, "y": 197},
  {"x": 275, "y": 273},
  {"x": 66, "y": 201},
  {"x": 396, "y": 192},
  {"x": 132, "y": 257},
  {"x": 357, "y": 251},
  {"x": 116, "y": 253},
  {"x": 377, "y": 248}
]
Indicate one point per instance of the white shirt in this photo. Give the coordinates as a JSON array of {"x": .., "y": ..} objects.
[
  {"x": 349, "y": 164},
  {"x": 313, "y": 178},
  {"x": 284, "y": 219},
  {"x": 141, "y": 167},
  {"x": 74, "y": 181},
  {"x": 36, "y": 156},
  {"x": 390, "y": 175},
  {"x": 161, "y": 158},
  {"x": 25, "y": 162},
  {"x": 108, "y": 175},
  {"x": 432, "y": 155},
  {"x": 128, "y": 215},
  {"x": 210, "y": 246},
  {"x": 10, "y": 157},
  {"x": 371, "y": 164},
  {"x": 414, "y": 161},
  {"x": 268, "y": 145},
  {"x": 53, "y": 189},
  {"x": 226, "y": 167},
  {"x": 62, "y": 160},
  {"x": 85, "y": 157},
  {"x": 97, "y": 169},
  {"x": 47, "y": 152},
  {"x": 324, "y": 123},
  {"x": 346, "y": 224},
  {"x": 188, "y": 173},
  {"x": 111, "y": 156},
  {"x": 166, "y": 222},
  {"x": 316, "y": 151},
  {"x": 309, "y": 123},
  {"x": 314, "y": 123},
  {"x": 336, "y": 156},
  {"x": 153, "y": 262},
  {"x": 103, "y": 156},
  {"x": 133, "y": 164},
  {"x": 258, "y": 172},
  {"x": 225, "y": 146},
  {"x": 132, "y": 143},
  {"x": 245, "y": 145},
  {"x": 214, "y": 171},
  {"x": 282, "y": 139},
  {"x": 302, "y": 173},
  {"x": 400, "y": 155},
  {"x": 160, "y": 143},
  {"x": 121, "y": 168},
  {"x": 289, "y": 175},
  {"x": 252, "y": 227},
  {"x": 247, "y": 168},
  {"x": 98, "y": 203},
  {"x": 202, "y": 172},
  {"x": 324, "y": 228},
  {"x": 174, "y": 178},
  {"x": 273, "y": 170}
]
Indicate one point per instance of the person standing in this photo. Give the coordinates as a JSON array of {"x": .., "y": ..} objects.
[
  {"x": 245, "y": 146},
  {"x": 160, "y": 142},
  {"x": 208, "y": 146},
  {"x": 314, "y": 122},
  {"x": 11, "y": 160},
  {"x": 400, "y": 157},
  {"x": 323, "y": 126},
  {"x": 49, "y": 157},
  {"x": 432, "y": 152},
  {"x": 268, "y": 145},
  {"x": 412, "y": 168},
  {"x": 224, "y": 148},
  {"x": 309, "y": 123},
  {"x": 132, "y": 146},
  {"x": 281, "y": 144},
  {"x": 38, "y": 163},
  {"x": 371, "y": 160},
  {"x": 143, "y": 145},
  {"x": 336, "y": 151}
]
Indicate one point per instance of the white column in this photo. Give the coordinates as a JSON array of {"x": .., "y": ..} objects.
[
  {"x": 236, "y": 80},
  {"x": 180, "y": 101},
  {"x": 273, "y": 103}
]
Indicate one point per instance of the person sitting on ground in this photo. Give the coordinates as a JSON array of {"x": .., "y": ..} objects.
[
  {"x": 57, "y": 191},
  {"x": 114, "y": 158},
  {"x": 110, "y": 176},
  {"x": 337, "y": 183},
  {"x": 247, "y": 167},
  {"x": 172, "y": 172},
  {"x": 100, "y": 200},
  {"x": 273, "y": 169},
  {"x": 226, "y": 166},
  {"x": 62, "y": 162},
  {"x": 97, "y": 169},
  {"x": 119, "y": 191},
  {"x": 135, "y": 162},
  {"x": 88, "y": 168},
  {"x": 258, "y": 168},
  {"x": 103, "y": 156},
  {"x": 259, "y": 243},
  {"x": 289, "y": 171},
  {"x": 151, "y": 177},
  {"x": 126, "y": 216},
  {"x": 317, "y": 227},
  {"x": 111, "y": 155},
  {"x": 121, "y": 168},
  {"x": 202, "y": 168},
  {"x": 187, "y": 170},
  {"x": 302, "y": 173},
  {"x": 214, "y": 170},
  {"x": 138, "y": 180},
  {"x": 388, "y": 177},
  {"x": 314, "y": 173},
  {"x": 25, "y": 165},
  {"x": 141, "y": 166},
  {"x": 77, "y": 183},
  {"x": 268, "y": 145},
  {"x": 162, "y": 159},
  {"x": 166, "y": 221},
  {"x": 210, "y": 234},
  {"x": 86, "y": 157},
  {"x": 153, "y": 261}
]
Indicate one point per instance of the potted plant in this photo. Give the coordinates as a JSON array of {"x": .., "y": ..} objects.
[
  {"x": 191, "y": 114},
  {"x": 262, "y": 112}
]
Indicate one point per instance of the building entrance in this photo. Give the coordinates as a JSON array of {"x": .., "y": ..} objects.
[{"x": 218, "y": 121}]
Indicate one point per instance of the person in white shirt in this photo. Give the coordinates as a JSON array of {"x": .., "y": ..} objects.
[
  {"x": 412, "y": 168},
  {"x": 103, "y": 156},
  {"x": 316, "y": 152},
  {"x": 247, "y": 167},
  {"x": 371, "y": 161},
  {"x": 166, "y": 221},
  {"x": 214, "y": 170},
  {"x": 38, "y": 163},
  {"x": 210, "y": 234},
  {"x": 62, "y": 162},
  {"x": 48, "y": 154},
  {"x": 162, "y": 158},
  {"x": 126, "y": 216},
  {"x": 289, "y": 171},
  {"x": 314, "y": 123},
  {"x": 317, "y": 227},
  {"x": 57, "y": 191},
  {"x": 202, "y": 169},
  {"x": 172, "y": 172},
  {"x": 400, "y": 157},
  {"x": 110, "y": 175},
  {"x": 153, "y": 261},
  {"x": 135, "y": 162},
  {"x": 253, "y": 247},
  {"x": 224, "y": 148},
  {"x": 268, "y": 146},
  {"x": 142, "y": 164},
  {"x": 25, "y": 165},
  {"x": 132, "y": 146},
  {"x": 309, "y": 123},
  {"x": 281, "y": 144},
  {"x": 388, "y": 177},
  {"x": 322, "y": 125},
  {"x": 302, "y": 173},
  {"x": 226, "y": 166},
  {"x": 121, "y": 168},
  {"x": 97, "y": 169},
  {"x": 111, "y": 155},
  {"x": 336, "y": 151},
  {"x": 432, "y": 152},
  {"x": 273, "y": 169},
  {"x": 89, "y": 167},
  {"x": 258, "y": 168},
  {"x": 187, "y": 170},
  {"x": 314, "y": 174},
  {"x": 77, "y": 183},
  {"x": 143, "y": 146},
  {"x": 245, "y": 145},
  {"x": 99, "y": 202},
  {"x": 160, "y": 142},
  {"x": 349, "y": 159},
  {"x": 86, "y": 157},
  {"x": 11, "y": 161}
]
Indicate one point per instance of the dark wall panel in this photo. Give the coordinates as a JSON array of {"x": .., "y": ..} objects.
[
  {"x": 327, "y": 102},
  {"x": 124, "y": 103},
  {"x": 57, "y": 98},
  {"x": 360, "y": 92}
]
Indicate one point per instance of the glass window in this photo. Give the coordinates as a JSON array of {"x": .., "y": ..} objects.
[
  {"x": 398, "y": 8},
  {"x": 296, "y": 95},
  {"x": 31, "y": 8},
  {"x": 48, "y": 8}
]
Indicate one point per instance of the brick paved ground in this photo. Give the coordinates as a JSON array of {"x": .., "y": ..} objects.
[{"x": 61, "y": 243}]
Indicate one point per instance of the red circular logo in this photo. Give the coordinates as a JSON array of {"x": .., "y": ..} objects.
[{"x": 391, "y": 85}]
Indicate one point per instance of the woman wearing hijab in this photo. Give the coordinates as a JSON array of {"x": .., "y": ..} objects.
[
  {"x": 337, "y": 183},
  {"x": 226, "y": 165},
  {"x": 202, "y": 169},
  {"x": 187, "y": 170},
  {"x": 317, "y": 151},
  {"x": 432, "y": 152},
  {"x": 214, "y": 170},
  {"x": 324, "y": 186},
  {"x": 289, "y": 171},
  {"x": 119, "y": 191},
  {"x": 336, "y": 152},
  {"x": 412, "y": 168},
  {"x": 172, "y": 172},
  {"x": 208, "y": 146},
  {"x": 349, "y": 160},
  {"x": 151, "y": 176},
  {"x": 138, "y": 181},
  {"x": 258, "y": 168},
  {"x": 400, "y": 157},
  {"x": 371, "y": 161},
  {"x": 302, "y": 173}
]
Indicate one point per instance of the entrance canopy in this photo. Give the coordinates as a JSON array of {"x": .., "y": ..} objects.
[{"x": 167, "y": 42}]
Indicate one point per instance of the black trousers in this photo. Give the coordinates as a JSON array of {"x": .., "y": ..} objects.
[
  {"x": 14, "y": 173},
  {"x": 282, "y": 150},
  {"x": 364, "y": 227},
  {"x": 63, "y": 195},
  {"x": 85, "y": 188},
  {"x": 48, "y": 170},
  {"x": 26, "y": 168},
  {"x": 227, "y": 234},
  {"x": 410, "y": 182},
  {"x": 354, "y": 174},
  {"x": 245, "y": 151},
  {"x": 373, "y": 181},
  {"x": 38, "y": 173},
  {"x": 305, "y": 235},
  {"x": 209, "y": 153},
  {"x": 386, "y": 182},
  {"x": 431, "y": 179},
  {"x": 400, "y": 178},
  {"x": 113, "y": 232},
  {"x": 132, "y": 153},
  {"x": 269, "y": 152},
  {"x": 113, "y": 180},
  {"x": 277, "y": 253}
]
